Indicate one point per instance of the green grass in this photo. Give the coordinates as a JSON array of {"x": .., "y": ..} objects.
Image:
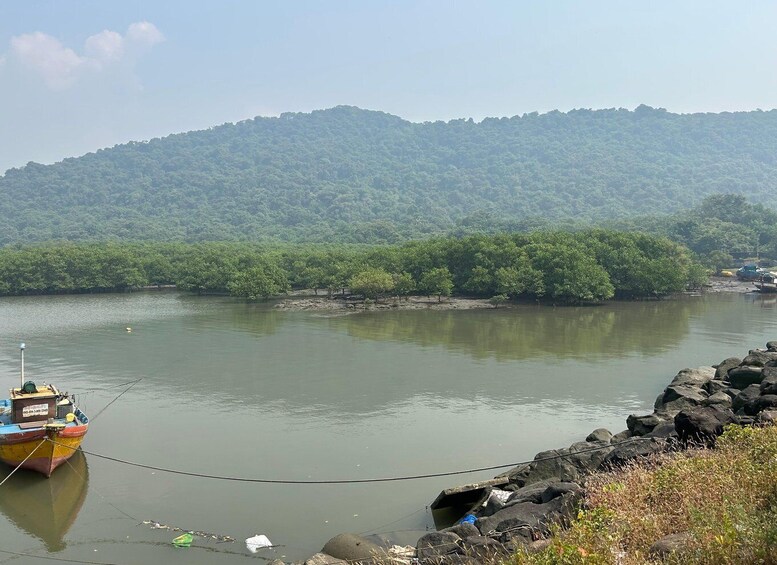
[{"x": 725, "y": 499}]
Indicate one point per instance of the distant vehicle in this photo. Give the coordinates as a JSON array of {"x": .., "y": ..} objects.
[{"x": 750, "y": 273}]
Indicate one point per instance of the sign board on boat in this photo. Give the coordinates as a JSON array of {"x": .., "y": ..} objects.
[
  {"x": 35, "y": 410},
  {"x": 30, "y": 407}
]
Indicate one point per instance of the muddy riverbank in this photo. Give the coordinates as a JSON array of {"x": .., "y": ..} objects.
[
  {"x": 307, "y": 300},
  {"x": 729, "y": 284}
]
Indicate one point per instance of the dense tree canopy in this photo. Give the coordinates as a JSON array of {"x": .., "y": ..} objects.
[
  {"x": 351, "y": 175},
  {"x": 562, "y": 267},
  {"x": 721, "y": 227}
]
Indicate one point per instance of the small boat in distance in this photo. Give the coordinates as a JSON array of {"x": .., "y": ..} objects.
[
  {"x": 40, "y": 427},
  {"x": 767, "y": 283}
]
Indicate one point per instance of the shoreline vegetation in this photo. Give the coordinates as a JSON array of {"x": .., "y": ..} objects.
[{"x": 552, "y": 267}]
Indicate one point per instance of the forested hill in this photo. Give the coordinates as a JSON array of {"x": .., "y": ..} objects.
[{"x": 347, "y": 174}]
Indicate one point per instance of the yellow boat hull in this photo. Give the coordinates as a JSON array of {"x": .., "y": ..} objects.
[{"x": 41, "y": 449}]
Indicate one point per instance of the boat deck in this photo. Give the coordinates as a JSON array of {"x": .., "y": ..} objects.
[{"x": 9, "y": 428}]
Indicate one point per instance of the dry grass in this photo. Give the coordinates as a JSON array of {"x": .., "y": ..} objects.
[{"x": 725, "y": 498}]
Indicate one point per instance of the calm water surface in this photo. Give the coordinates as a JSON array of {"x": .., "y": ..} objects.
[{"x": 247, "y": 391}]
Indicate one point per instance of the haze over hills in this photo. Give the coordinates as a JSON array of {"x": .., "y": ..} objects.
[{"x": 347, "y": 174}]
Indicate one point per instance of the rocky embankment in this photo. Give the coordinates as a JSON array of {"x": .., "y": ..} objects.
[{"x": 530, "y": 498}]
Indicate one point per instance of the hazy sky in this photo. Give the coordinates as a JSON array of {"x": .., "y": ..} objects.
[{"x": 76, "y": 76}]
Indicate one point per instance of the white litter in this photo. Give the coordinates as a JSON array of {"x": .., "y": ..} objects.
[
  {"x": 498, "y": 495},
  {"x": 257, "y": 542}
]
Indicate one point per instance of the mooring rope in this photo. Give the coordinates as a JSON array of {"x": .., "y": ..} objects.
[
  {"x": 93, "y": 418},
  {"x": 101, "y": 389},
  {"x": 354, "y": 481},
  {"x": 380, "y": 529},
  {"x": 25, "y": 460},
  {"x": 91, "y": 488}
]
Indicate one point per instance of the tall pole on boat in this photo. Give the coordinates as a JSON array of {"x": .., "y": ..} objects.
[{"x": 21, "y": 348}]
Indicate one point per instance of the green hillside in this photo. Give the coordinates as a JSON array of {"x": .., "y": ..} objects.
[{"x": 363, "y": 176}]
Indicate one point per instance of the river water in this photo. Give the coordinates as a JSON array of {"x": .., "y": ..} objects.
[{"x": 246, "y": 391}]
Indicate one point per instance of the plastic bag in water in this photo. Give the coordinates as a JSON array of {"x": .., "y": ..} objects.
[
  {"x": 184, "y": 540},
  {"x": 257, "y": 542}
]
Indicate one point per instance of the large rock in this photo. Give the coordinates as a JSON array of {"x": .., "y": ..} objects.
[
  {"x": 715, "y": 385},
  {"x": 600, "y": 434},
  {"x": 567, "y": 464},
  {"x": 720, "y": 398},
  {"x": 560, "y": 489},
  {"x": 677, "y": 391},
  {"x": 760, "y": 358},
  {"x": 688, "y": 388},
  {"x": 351, "y": 547},
  {"x": 679, "y": 397},
  {"x": 665, "y": 430},
  {"x": 438, "y": 544},
  {"x": 703, "y": 424},
  {"x": 748, "y": 394},
  {"x": 587, "y": 457},
  {"x": 732, "y": 392},
  {"x": 463, "y": 530},
  {"x": 745, "y": 375},
  {"x": 769, "y": 382},
  {"x": 538, "y": 493},
  {"x": 525, "y": 518},
  {"x": 771, "y": 345},
  {"x": 633, "y": 448},
  {"x": 530, "y": 493},
  {"x": 667, "y": 545},
  {"x": 767, "y": 416},
  {"x": 765, "y": 402},
  {"x": 693, "y": 377},
  {"x": 721, "y": 373},
  {"x": 324, "y": 559},
  {"x": 484, "y": 549},
  {"x": 547, "y": 465},
  {"x": 641, "y": 425},
  {"x": 620, "y": 436}
]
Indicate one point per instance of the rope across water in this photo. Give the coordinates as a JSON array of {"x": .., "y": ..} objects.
[{"x": 352, "y": 481}]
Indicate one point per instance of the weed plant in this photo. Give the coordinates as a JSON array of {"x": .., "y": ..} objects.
[{"x": 723, "y": 500}]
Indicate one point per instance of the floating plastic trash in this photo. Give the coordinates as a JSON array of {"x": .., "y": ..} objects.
[
  {"x": 184, "y": 540},
  {"x": 257, "y": 542}
]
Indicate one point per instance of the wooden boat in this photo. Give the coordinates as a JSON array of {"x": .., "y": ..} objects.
[
  {"x": 767, "y": 284},
  {"x": 766, "y": 288},
  {"x": 40, "y": 428}
]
